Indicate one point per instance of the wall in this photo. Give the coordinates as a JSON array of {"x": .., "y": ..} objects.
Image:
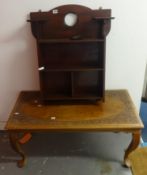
[
  {"x": 144, "y": 91},
  {"x": 126, "y": 47}
]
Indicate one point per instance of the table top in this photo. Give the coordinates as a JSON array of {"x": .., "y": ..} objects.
[{"x": 117, "y": 113}]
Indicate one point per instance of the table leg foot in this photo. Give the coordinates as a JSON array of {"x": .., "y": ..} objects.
[
  {"x": 21, "y": 163},
  {"x": 14, "y": 141},
  {"x": 133, "y": 145}
]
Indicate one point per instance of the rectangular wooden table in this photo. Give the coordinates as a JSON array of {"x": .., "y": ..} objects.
[{"x": 116, "y": 114}]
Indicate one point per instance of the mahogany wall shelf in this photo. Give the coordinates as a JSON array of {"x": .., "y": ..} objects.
[{"x": 71, "y": 58}]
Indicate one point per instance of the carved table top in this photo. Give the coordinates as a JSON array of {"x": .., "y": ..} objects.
[{"x": 117, "y": 113}]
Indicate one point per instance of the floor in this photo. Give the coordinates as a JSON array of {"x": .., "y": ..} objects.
[
  {"x": 67, "y": 154},
  {"x": 143, "y": 114}
]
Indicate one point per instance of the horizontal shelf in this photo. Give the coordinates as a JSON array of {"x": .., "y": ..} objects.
[
  {"x": 103, "y": 18},
  {"x": 72, "y": 69},
  {"x": 69, "y": 40},
  {"x": 37, "y": 20},
  {"x": 75, "y": 97},
  {"x": 43, "y": 20}
]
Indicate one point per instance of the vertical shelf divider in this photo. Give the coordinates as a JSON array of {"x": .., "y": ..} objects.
[{"x": 72, "y": 84}]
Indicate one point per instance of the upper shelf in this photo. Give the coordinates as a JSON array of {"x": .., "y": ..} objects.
[
  {"x": 103, "y": 18},
  {"x": 69, "y": 40},
  {"x": 96, "y": 18}
]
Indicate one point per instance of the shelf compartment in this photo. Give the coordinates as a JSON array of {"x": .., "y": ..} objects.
[
  {"x": 88, "y": 84},
  {"x": 55, "y": 85},
  {"x": 70, "y": 55}
]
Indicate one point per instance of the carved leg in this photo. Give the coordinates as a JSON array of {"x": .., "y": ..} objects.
[
  {"x": 133, "y": 145},
  {"x": 16, "y": 147},
  {"x": 25, "y": 138}
]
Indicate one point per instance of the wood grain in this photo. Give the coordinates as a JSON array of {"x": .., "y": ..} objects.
[{"x": 117, "y": 113}]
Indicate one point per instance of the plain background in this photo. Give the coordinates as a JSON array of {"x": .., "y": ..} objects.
[{"x": 126, "y": 47}]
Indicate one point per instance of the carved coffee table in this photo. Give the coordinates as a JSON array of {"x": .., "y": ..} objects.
[{"x": 116, "y": 114}]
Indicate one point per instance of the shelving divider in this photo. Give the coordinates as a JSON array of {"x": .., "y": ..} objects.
[{"x": 72, "y": 84}]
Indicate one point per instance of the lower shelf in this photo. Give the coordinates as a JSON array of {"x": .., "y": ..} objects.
[
  {"x": 79, "y": 85},
  {"x": 47, "y": 97}
]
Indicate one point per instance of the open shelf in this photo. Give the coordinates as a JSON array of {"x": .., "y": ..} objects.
[
  {"x": 70, "y": 56},
  {"x": 88, "y": 83},
  {"x": 75, "y": 85},
  {"x": 61, "y": 87}
]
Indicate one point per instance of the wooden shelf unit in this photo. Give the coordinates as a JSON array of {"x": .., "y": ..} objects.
[{"x": 71, "y": 58}]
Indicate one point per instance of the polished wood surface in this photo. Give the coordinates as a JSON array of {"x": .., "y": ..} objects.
[{"x": 116, "y": 113}]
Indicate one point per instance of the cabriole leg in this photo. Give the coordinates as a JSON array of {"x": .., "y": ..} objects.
[
  {"x": 14, "y": 141},
  {"x": 133, "y": 145}
]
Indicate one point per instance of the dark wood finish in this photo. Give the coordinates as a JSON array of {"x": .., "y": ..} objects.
[
  {"x": 14, "y": 141},
  {"x": 117, "y": 114},
  {"x": 72, "y": 58},
  {"x": 133, "y": 145}
]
